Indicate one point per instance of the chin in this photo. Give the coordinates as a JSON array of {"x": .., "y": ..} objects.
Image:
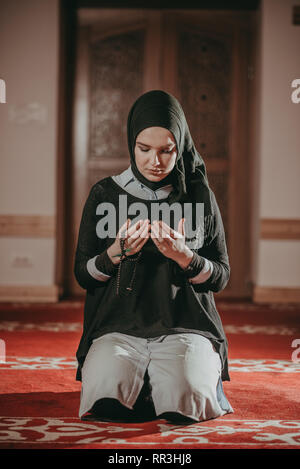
[{"x": 155, "y": 177}]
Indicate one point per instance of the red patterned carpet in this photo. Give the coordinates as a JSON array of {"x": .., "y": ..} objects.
[{"x": 39, "y": 396}]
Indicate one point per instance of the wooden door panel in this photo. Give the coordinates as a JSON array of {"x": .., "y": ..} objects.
[
  {"x": 206, "y": 57},
  {"x": 116, "y": 77},
  {"x": 204, "y": 69}
]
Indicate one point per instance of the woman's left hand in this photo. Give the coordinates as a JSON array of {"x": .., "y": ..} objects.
[{"x": 171, "y": 243}]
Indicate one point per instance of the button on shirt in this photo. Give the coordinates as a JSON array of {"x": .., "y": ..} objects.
[{"x": 131, "y": 184}]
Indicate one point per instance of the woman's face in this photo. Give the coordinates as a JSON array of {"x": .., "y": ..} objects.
[{"x": 155, "y": 153}]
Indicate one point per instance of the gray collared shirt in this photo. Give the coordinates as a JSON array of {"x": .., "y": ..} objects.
[
  {"x": 131, "y": 184},
  {"x": 128, "y": 181}
]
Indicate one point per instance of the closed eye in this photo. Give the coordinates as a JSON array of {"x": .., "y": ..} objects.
[{"x": 163, "y": 151}]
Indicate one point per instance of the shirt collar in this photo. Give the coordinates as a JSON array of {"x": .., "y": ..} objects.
[{"x": 127, "y": 176}]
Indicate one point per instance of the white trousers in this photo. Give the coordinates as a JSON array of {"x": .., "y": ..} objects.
[{"x": 184, "y": 372}]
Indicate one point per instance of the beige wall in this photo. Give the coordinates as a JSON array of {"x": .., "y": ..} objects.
[
  {"x": 278, "y": 262},
  {"x": 28, "y": 143}
]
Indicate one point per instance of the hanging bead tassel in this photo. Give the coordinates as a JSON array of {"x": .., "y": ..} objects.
[{"x": 122, "y": 258}]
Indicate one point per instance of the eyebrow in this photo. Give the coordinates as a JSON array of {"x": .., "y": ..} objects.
[{"x": 163, "y": 146}]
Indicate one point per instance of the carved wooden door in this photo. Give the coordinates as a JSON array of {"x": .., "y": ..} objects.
[{"x": 123, "y": 53}]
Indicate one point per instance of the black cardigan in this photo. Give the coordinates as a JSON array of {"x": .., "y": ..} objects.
[{"x": 163, "y": 300}]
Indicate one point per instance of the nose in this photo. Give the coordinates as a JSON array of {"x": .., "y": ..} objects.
[{"x": 156, "y": 161}]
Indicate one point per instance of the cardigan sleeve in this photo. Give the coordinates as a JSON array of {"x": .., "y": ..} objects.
[
  {"x": 215, "y": 250},
  {"x": 100, "y": 264},
  {"x": 204, "y": 274},
  {"x": 90, "y": 247}
]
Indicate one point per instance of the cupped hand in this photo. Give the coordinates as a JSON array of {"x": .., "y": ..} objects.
[
  {"x": 135, "y": 237},
  {"x": 169, "y": 242}
]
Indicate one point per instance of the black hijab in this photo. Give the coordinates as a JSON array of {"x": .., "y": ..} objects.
[{"x": 157, "y": 108}]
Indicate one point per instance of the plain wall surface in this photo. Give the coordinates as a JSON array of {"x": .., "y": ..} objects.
[
  {"x": 29, "y": 38},
  {"x": 279, "y": 143}
]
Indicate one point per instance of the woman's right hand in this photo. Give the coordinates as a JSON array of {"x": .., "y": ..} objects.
[{"x": 135, "y": 238}]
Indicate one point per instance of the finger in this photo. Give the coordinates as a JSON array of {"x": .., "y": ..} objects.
[
  {"x": 145, "y": 227},
  {"x": 155, "y": 232},
  {"x": 167, "y": 242},
  {"x": 138, "y": 244},
  {"x": 123, "y": 230},
  {"x": 161, "y": 246},
  {"x": 145, "y": 234},
  {"x": 154, "y": 239},
  {"x": 126, "y": 230},
  {"x": 162, "y": 237},
  {"x": 138, "y": 226},
  {"x": 181, "y": 226},
  {"x": 145, "y": 231},
  {"x": 144, "y": 224},
  {"x": 141, "y": 240},
  {"x": 172, "y": 233},
  {"x": 164, "y": 230},
  {"x": 158, "y": 228},
  {"x": 164, "y": 225}
]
